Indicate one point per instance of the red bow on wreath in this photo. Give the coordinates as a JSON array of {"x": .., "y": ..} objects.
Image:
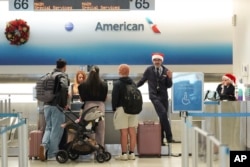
[{"x": 17, "y": 32}]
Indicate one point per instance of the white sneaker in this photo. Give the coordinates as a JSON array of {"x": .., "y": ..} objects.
[
  {"x": 123, "y": 157},
  {"x": 131, "y": 156}
]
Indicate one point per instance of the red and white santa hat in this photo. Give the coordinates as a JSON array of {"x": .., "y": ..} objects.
[
  {"x": 158, "y": 56},
  {"x": 231, "y": 77}
]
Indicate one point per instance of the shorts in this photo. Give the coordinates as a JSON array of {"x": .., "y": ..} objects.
[{"x": 123, "y": 120}]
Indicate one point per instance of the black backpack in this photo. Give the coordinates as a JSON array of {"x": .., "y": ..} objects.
[
  {"x": 132, "y": 99},
  {"x": 46, "y": 87}
]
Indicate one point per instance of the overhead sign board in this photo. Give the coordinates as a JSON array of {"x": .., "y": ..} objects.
[{"x": 80, "y": 5}]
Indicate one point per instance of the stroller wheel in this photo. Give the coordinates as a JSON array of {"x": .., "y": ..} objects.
[
  {"x": 107, "y": 156},
  {"x": 73, "y": 156},
  {"x": 62, "y": 156},
  {"x": 100, "y": 157}
]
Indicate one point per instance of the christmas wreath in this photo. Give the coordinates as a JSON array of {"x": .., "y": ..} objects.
[{"x": 17, "y": 32}]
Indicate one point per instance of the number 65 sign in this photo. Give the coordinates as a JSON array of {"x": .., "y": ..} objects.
[{"x": 142, "y": 4}]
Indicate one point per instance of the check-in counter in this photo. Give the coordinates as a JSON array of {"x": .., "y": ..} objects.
[
  {"x": 76, "y": 106},
  {"x": 232, "y": 131},
  {"x": 245, "y": 124}
]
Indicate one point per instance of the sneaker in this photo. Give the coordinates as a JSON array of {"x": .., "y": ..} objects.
[
  {"x": 123, "y": 157},
  {"x": 51, "y": 159},
  {"x": 131, "y": 156},
  {"x": 42, "y": 153}
]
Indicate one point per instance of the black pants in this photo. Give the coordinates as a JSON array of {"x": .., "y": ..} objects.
[{"x": 161, "y": 107}]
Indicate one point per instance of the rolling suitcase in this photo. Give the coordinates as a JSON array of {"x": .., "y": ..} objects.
[
  {"x": 149, "y": 139},
  {"x": 35, "y": 139}
]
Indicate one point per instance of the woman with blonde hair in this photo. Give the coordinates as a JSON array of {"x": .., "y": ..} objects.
[
  {"x": 79, "y": 78},
  {"x": 226, "y": 88}
]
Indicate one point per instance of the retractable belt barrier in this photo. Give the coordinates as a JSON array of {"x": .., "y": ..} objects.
[
  {"x": 21, "y": 125},
  {"x": 224, "y": 114},
  {"x": 187, "y": 124},
  {"x": 7, "y": 128}
]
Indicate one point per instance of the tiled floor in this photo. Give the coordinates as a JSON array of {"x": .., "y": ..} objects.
[
  {"x": 139, "y": 162},
  {"x": 174, "y": 161}
]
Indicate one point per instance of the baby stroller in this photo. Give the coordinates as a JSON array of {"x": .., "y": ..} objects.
[{"x": 82, "y": 144}]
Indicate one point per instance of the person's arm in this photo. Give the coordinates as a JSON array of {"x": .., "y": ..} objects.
[
  {"x": 143, "y": 79},
  {"x": 71, "y": 90},
  {"x": 64, "y": 84},
  {"x": 81, "y": 92},
  {"x": 105, "y": 92},
  {"x": 169, "y": 81},
  {"x": 115, "y": 96},
  {"x": 231, "y": 93},
  {"x": 218, "y": 89}
]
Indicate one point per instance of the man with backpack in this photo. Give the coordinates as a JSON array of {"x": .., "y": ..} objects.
[
  {"x": 159, "y": 79},
  {"x": 124, "y": 121},
  {"x": 53, "y": 116}
]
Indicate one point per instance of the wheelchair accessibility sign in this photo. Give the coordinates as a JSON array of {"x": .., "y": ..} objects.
[{"x": 187, "y": 91}]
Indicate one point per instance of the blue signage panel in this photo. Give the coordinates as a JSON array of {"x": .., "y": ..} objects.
[
  {"x": 114, "y": 37},
  {"x": 187, "y": 91}
]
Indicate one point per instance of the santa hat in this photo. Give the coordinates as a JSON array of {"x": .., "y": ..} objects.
[
  {"x": 158, "y": 56},
  {"x": 231, "y": 77}
]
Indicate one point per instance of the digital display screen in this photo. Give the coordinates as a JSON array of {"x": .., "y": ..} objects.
[{"x": 81, "y": 5}]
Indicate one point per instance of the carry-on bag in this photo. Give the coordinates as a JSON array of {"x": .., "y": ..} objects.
[
  {"x": 149, "y": 138},
  {"x": 35, "y": 139}
]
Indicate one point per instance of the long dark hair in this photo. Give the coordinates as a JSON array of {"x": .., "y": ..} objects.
[{"x": 93, "y": 82}]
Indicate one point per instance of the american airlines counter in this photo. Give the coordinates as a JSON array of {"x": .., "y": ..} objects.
[{"x": 232, "y": 131}]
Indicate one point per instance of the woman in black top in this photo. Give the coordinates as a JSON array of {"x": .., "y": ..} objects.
[
  {"x": 226, "y": 88},
  {"x": 93, "y": 92}
]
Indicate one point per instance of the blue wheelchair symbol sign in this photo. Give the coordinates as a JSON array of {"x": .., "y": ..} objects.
[{"x": 187, "y": 92}]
